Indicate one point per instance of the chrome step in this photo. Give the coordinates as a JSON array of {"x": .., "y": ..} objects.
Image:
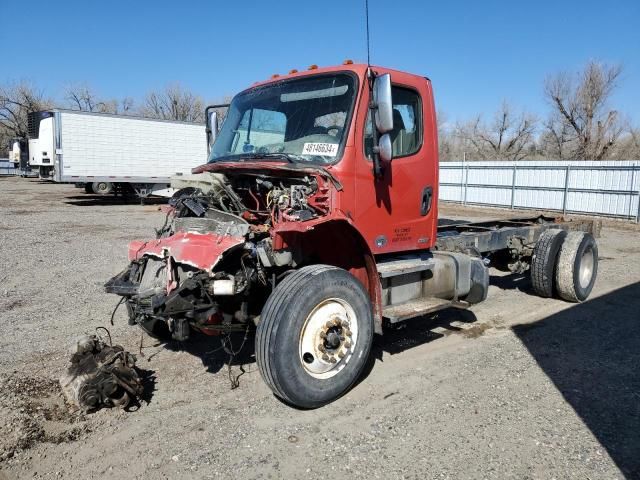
[
  {"x": 404, "y": 265},
  {"x": 417, "y": 308}
]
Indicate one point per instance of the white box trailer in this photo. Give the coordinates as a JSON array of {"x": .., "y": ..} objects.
[{"x": 109, "y": 153}]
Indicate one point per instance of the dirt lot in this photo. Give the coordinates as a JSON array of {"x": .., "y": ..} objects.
[{"x": 518, "y": 387}]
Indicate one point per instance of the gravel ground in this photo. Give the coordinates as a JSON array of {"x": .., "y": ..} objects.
[{"x": 518, "y": 387}]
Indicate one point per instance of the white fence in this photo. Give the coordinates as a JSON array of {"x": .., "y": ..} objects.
[
  {"x": 610, "y": 188},
  {"x": 7, "y": 167}
]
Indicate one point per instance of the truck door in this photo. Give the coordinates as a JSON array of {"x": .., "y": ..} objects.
[{"x": 398, "y": 211}]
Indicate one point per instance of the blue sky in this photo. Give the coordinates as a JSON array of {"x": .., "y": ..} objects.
[{"x": 476, "y": 52}]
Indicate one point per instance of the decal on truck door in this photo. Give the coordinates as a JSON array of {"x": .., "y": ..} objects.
[{"x": 326, "y": 149}]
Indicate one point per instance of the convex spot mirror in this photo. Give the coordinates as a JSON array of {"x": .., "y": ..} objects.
[
  {"x": 383, "y": 103},
  {"x": 385, "y": 148}
]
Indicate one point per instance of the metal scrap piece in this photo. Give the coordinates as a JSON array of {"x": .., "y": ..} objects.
[{"x": 100, "y": 375}]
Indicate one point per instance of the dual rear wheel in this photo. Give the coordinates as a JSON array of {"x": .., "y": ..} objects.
[{"x": 564, "y": 263}]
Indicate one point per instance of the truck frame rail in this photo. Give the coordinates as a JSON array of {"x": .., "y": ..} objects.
[{"x": 493, "y": 235}]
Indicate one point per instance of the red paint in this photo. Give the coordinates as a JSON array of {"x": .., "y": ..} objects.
[
  {"x": 388, "y": 207},
  {"x": 215, "y": 319},
  {"x": 202, "y": 251}
]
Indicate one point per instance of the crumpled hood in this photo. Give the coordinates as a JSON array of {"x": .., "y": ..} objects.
[{"x": 199, "y": 250}]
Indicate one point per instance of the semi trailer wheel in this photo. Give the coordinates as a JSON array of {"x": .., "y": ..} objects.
[
  {"x": 102, "y": 188},
  {"x": 314, "y": 335},
  {"x": 577, "y": 267},
  {"x": 544, "y": 260}
]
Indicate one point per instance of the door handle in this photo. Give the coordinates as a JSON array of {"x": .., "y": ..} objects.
[{"x": 425, "y": 203}]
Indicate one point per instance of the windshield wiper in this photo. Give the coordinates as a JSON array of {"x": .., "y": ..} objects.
[
  {"x": 289, "y": 157},
  {"x": 241, "y": 157}
]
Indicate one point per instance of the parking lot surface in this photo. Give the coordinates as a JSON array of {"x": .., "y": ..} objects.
[{"x": 517, "y": 387}]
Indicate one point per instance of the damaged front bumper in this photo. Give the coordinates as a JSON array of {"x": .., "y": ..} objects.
[{"x": 170, "y": 287}]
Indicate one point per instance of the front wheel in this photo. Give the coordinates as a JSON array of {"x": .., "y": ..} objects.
[{"x": 314, "y": 335}]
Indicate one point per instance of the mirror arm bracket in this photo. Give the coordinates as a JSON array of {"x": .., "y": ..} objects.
[{"x": 377, "y": 165}]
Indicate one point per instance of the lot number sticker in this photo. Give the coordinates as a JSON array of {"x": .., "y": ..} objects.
[{"x": 326, "y": 149}]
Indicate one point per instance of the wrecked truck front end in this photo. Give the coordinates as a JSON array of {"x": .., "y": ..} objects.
[{"x": 213, "y": 263}]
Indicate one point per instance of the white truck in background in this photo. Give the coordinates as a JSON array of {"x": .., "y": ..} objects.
[
  {"x": 113, "y": 153},
  {"x": 18, "y": 161},
  {"x": 15, "y": 151}
]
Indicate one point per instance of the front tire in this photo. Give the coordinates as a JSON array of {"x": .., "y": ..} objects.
[{"x": 314, "y": 335}]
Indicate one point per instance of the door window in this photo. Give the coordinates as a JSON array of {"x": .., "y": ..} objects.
[{"x": 406, "y": 136}]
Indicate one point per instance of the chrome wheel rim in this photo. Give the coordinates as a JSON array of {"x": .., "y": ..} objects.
[
  {"x": 587, "y": 263},
  {"x": 328, "y": 338}
]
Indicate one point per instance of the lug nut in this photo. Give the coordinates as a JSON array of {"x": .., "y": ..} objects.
[
  {"x": 332, "y": 360},
  {"x": 347, "y": 333},
  {"x": 321, "y": 348},
  {"x": 341, "y": 353},
  {"x": 325, "y": 357},
  {"x": 347, "y": 344},
  {"x": 323, "y": 334}
]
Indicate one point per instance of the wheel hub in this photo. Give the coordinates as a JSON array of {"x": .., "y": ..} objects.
[{"x": 328, "y": 338}]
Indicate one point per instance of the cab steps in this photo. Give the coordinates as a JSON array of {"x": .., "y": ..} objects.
[
  {"x": 417, "y": 308},
  {"x": 404, "y": 265}
]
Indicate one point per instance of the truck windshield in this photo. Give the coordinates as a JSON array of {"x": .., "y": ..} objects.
[{"x": 302, "y": 120}]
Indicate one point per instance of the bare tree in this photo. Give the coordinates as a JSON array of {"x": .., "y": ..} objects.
[
  {"x": 126, "y": 105},
  {"x": 17, "y": 100},
  {"x": 628, "y": 145},
  {"x": 556, "y": 139},
  {"x": 449, "y": 147},
  {"x": 83, "y": 98},
  {"x": 174, "y": 103},
  {"x": 508, "y": 136},
  {"x": 590, "y": 127}
]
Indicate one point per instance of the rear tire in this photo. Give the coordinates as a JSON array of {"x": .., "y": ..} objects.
[
  {"x": 577, "y": 267},
  {"x": 314, "y": 335},
  {"x": 102, "y": 188},
  {"x": 544, "y": 260}
]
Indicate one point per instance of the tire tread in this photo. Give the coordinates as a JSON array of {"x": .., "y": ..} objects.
[
  {"x": 544, "y": 261},
  {"x": 565, "y": 284},
  {"x": 268, "y": 326}
]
